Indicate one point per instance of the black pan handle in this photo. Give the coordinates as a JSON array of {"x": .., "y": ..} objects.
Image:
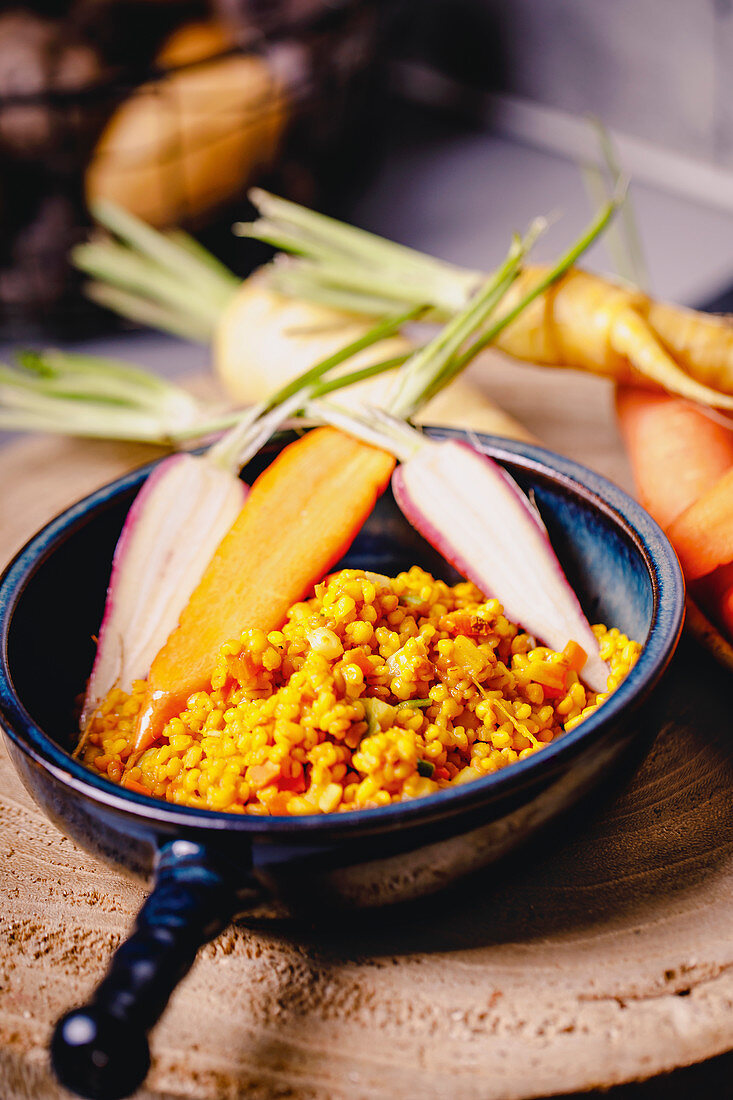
[{"x": 100, "y": 1050}]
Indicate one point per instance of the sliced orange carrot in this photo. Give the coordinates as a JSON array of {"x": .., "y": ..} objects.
[
  {"x": 574, "y": 656},
  {"x": 677, "y": 450},
  {"x": 300, "y": 517},
  {"x": 703, "y": 534},
  {"x": 295, "y": 784},
  {"x": 261, "y": 775},
  {"x": 133, "y": 785},
  {"x": 552, "y": 676},
  {"x": 277, "y": 802}
]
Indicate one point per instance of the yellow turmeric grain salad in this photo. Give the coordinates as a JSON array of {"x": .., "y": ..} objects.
[{"x": 374, "y": 690}]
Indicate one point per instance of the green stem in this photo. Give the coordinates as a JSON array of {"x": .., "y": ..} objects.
[
  {"x": 366, "y": 426},
  {"x": 61, "y": 417},
  {"x": 566, "y": 261},
  {"x": 284, "y": 239},
  {"x": 623, "y": 240},
  {"x": 184, "y": 263},
  {"x": 71, "y": 393},
  {"x": 440, "y": 361},
  {"x": 184, "y": 240},
  {"x": 227, "y": 452},
  {"x": 375, "y": 268},
  {"x": 167, "y": 279},
  {"x": 333, "y": 245},
  {"x": 115, "y": 264},
  {"x": 629, "y": 228},
  {"x": 342, "y": 274},
  {"x": 292, "y": 281},
  {"x": 352, "y": 260},
  {"x": 595, "y": 185},
  {"x": 98, "y": 381},
  {"x": 76, "y": 394},
  {"x": 381, "y": 331},
  {"x": 93, "y": 376},
  {"x": 358, "y": 375},
  {"x": 428, "y": 369},
  {"x": 349, "y": 239},
  {"x": 143, "y": 311},
  {"x": 319, "y": 389}
]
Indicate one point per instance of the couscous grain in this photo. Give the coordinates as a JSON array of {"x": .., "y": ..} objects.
[{"x": 375, "y": 690}]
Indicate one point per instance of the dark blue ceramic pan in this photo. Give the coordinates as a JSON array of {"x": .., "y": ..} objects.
[{"x": 204, "y": 867}]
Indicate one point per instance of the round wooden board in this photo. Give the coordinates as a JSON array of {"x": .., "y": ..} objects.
[{"x": 604, "y": 954}]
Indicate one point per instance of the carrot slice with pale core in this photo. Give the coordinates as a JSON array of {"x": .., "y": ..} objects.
[{"x": 300, "y": 517}]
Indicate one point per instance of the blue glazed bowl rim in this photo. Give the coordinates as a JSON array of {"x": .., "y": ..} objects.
[{"x": 668, "y": 594}]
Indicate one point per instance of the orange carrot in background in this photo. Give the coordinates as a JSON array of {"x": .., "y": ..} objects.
[
  {"x": 682, "y": 460},
  {"x": 703, "y": 534},
  {"x": 677, "y": 451},
  {"x": 300, "y": 517}
]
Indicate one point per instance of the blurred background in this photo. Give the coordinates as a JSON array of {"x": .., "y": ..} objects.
[
  {"x": 170, "y": 108},
  {"x": 443, "y": 123}
]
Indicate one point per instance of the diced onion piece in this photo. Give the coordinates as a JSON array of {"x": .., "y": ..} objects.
[{"x": 477, "y": 517}]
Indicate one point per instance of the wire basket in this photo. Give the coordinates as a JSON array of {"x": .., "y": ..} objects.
[{"x": 268, "y": 96}]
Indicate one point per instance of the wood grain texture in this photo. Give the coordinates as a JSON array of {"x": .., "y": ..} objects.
[{"x": 603, "y": 954}]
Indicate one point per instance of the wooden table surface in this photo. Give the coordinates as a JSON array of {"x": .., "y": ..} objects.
[{"x": 604, "y": 954}]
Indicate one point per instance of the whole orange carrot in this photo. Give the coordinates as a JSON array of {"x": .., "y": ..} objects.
[
  {"x": 682, "y": 460},
  {"x": 301, "y": 516},
  {"x": 677, "y": 451}
]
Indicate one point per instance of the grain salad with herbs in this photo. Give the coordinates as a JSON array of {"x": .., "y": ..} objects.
[
  {"x": 375, "y": 690},
  {"x": 230, "y": 676}
]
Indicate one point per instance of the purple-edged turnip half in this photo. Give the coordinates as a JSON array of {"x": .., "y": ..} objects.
[
  {"x": 477, "y": 517},
  {"x": 177, "y": 520}
]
